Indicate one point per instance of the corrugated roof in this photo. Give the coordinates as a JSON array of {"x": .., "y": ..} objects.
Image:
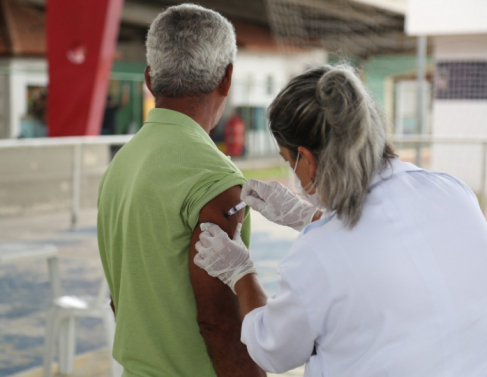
[{"x": 22, "y": 30}]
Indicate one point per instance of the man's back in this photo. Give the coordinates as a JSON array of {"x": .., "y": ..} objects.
[{"x": 149, "y": 203}]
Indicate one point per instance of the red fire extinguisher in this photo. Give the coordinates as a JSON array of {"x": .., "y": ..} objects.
[{"x": 234, "y": 135}]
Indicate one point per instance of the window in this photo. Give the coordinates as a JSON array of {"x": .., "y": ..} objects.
[{"x": 466, "y": 80}]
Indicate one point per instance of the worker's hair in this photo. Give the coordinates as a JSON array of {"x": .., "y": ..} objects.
[
  {"x": 188, "y": 49},
  {"x": 328, "y": 111}
]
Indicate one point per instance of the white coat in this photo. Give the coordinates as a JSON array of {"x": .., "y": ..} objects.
[{"x": 403, "y": 294}]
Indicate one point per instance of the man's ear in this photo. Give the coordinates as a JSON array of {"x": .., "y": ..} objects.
[
  {"x": 310, "y": 159},
  {"x": 147, "y": 79},
  {"x": 226, "y": 83}
]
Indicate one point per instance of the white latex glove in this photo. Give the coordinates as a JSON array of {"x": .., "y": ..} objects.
[
  {"x": 223, "y": 258},
  {"x": 278, "y": 204}
]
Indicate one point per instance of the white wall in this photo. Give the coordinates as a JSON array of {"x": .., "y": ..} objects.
[
  {"x": 460, "y": 117},
  {"x": 461, "y": 47},
  {"x": 466, "y": 118},
  {"x": 252, "y": 70},
  {"x": 442, "y": 17}
]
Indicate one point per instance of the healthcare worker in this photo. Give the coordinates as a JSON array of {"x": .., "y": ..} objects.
[{"x": 390, "y": 281}]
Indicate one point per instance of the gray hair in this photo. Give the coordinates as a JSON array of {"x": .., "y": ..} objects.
[
  {"x": 188, "y": 50},
  {"x": 329, "y": 111}
]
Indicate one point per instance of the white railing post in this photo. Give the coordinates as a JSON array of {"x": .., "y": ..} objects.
[
  {"x": 54, "y": 277},
  {"x": 421, "y": 52},
  {"x": 76, "y": 192},
  {"x": 483, "y": 175}
]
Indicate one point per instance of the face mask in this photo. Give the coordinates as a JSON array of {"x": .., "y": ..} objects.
[{"x": 313, "y": 199}]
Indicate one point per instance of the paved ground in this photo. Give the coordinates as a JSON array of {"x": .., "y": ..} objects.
[
  {"x": 96, "y": 364},
  {"x": 24, "y": 286}
]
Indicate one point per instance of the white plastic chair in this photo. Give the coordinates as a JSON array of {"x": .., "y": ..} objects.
[{"x": 62, "y": 315}]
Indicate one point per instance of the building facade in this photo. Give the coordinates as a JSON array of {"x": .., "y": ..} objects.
[{"x": 459, "y": 34}]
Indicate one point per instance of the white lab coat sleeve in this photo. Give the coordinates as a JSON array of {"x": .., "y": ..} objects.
[{"x": 279, "y": 336}]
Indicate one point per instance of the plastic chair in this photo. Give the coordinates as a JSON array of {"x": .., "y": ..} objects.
[{"x": 62, "y": 315}]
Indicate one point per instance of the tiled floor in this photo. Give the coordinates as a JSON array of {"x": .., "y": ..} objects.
[
  {"x": 25, "y": 290},
  {"x": 91, "y": 364},
  {"x": 24, "y": 287}
]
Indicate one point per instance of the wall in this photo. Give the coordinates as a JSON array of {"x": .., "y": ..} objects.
[
  {"x": 23, "y": 72},
  {"x": 4, "y": 100},
  {"x": 461, "y": 111},
  {"x": 466, "y": 119},
  {"x": 379, "y": 73},
  {"x": 461, "y": 47},
  {"x": 405, "y": 107},
  {"x": 445, "y": 17},
  {"x": 378, "y": 68},
  {"x": 252, "y": 70},
  {"x": 257, "y": 79}
]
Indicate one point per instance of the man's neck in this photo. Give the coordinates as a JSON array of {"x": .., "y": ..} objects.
[{"x": 200, "y": 109}]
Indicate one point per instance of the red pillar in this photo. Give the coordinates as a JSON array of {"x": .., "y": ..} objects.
[{"x": 81, "y": 40}]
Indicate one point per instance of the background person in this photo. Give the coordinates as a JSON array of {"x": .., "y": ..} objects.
[
  {"x": 173, "y": 319},
  {"x": 391, "y": 280},
  {"x": 109, "y": 124}
]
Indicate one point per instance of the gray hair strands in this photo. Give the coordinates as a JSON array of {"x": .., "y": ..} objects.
[
  {"x": 328, "y": 111},
  {"x": 188, "y": 49}
]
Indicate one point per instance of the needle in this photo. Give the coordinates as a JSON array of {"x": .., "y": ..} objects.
[{"x": 235, "y": 209}]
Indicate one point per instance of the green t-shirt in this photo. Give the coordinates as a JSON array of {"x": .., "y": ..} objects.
[{"x": 149, "y": 203}]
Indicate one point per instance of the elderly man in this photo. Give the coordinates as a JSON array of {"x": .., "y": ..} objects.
[{"x": 173, "y": 319}]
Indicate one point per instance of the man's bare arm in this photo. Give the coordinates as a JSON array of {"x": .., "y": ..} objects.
[{"x": 219, "y": 317}]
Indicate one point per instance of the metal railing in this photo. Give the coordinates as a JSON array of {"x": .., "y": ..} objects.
[
  {"x": 76, "y": 143},
  {"x": 419, "y": 141},
  {"x": 414, "y": 142}
]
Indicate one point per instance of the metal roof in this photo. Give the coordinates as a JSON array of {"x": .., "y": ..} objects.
[
  {"x": 348, "y": 27},
  {"x": 22, "y": 30}
]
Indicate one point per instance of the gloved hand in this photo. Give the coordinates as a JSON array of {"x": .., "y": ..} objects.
[
  {"x": 278, "y": 204},
  {"x": 224, "y": 258}
]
